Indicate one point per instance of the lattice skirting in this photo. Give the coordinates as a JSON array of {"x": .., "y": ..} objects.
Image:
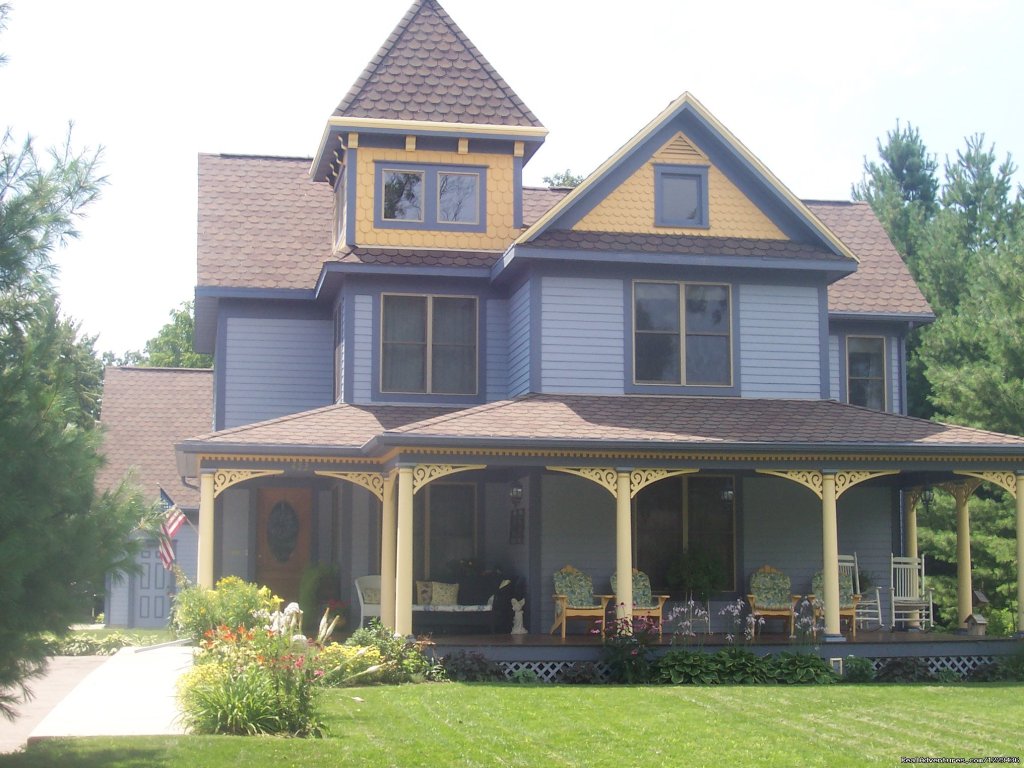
[
  {"x": 961, "y": 665},
  {"x": 556, "y": 671}
]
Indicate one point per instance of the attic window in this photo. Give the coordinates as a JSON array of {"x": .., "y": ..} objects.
[
  {"x": 681, "y": 196},
  {"x": 432, "y": 197}
]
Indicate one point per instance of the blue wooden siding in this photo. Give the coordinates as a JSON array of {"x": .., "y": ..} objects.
[
  {"x": 780, "y": 348},
  {"x": 339, "y": 352},
  {"x": 582, "y": 328},
  {"x": 835, "y": 389},
  {"x": 276, "y": 366},
  {"x": 519, "y": 341},
  {"x": 496, "y": 364},
  {"x": 362, "y": 349}
]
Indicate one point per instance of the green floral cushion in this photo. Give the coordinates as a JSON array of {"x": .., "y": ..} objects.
[
  {"x": 771, "y": 589},
  {"x": 424, "y": 590},
  {"x": 371, "y": 596},
  {"x": 444, "y": 594},
  {"x": 577, "y": 586},
  {"x": 845, "y": 588},
  {"x": 642, "y": 597}
]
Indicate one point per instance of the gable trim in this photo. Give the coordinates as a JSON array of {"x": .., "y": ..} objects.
[{"x": 686, "y": 102}]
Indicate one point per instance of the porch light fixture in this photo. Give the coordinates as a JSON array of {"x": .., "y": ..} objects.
[
  {"x": 515, "y": 492},
  {"x": 927, "y": 496}
]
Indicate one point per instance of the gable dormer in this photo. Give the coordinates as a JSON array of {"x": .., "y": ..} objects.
[{"x": 426, "y": 150}]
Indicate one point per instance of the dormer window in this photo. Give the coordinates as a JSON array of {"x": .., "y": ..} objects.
[
  {"x": 681, "y": 196},
  {"x": 434, "y": 197},
  {"x": 865, "y": 371}
]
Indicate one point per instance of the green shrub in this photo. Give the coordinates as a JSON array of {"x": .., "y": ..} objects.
[
  {"x": 739, "y": 666},
  {"x": 906, "y": 669},
  {"x": 524, "y": 676},
  {"x": 402, "y": 660},
  {"x": 349, "y": 664},
  {"x": 87, "y": 644},
  {"x": 252, "y": 681},
  {"x": 319, "y": 586},
  {"x": 579, "y": 673},
  {"x": 231, "y": 603},
  {"x": 626, "y": 650},
  {"x": 682, "y": 667},
  {"x": 800, "y": 669},
  {"x": 467, "y": 667},
  {"x": 857, "y": 669}
]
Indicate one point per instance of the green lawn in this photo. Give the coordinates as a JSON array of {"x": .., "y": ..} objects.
[{"x": 442, "y": 725}]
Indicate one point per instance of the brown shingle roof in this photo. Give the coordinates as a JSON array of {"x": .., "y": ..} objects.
[
  {"x": 429, "y": 70},
  {"x": 882, "y": 284},
  {"x": 680, "y": 244},
  {"x": 705, "y": 421},
  {"x": 539, "y": 200},
  {"x": 662, "y": 423},
  {"x": 262, "y": 223},
  {"x": 409, "y": 257},
  {"x": 145, "y": 412},
  {"x": 337, "y": 426}
]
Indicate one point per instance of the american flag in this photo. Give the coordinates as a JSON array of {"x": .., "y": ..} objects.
[{"x": 172, "y": 523}]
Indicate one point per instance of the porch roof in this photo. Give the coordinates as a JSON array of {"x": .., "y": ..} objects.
[{"x": 723, "y": 425}]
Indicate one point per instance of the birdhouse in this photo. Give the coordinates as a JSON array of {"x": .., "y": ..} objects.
[{"x": 976, "y": 624}]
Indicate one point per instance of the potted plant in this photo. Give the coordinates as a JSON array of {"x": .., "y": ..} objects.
[{"x": 696, "y": 574}]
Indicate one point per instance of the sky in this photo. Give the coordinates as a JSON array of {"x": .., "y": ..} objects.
[{"x": 808, "y": 87}]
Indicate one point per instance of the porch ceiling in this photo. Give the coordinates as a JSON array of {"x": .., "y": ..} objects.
[{"x": 584, "y": 424}]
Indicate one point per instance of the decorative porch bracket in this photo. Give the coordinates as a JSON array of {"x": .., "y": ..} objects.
[
  {"x": 814, "y": 479},
  {"x": 371, "y": 481},
  {"x": 422, "y": 474},
  {"x": 225, "y": 478},
  {"x": 829, "y": 486},
  {"x": 607, "y": 477},
  {"x": 1005, "y": 480}
]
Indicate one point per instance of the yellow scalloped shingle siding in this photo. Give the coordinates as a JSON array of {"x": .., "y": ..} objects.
[
  {"x": 500, "y": 210},
  {"x": 630, "y": 207}
]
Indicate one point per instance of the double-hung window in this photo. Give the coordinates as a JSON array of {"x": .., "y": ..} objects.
[
  {"x": 448, "y": 197},
  {"x": 429, "y": 344},
  {"x": 865, "y": 371},
  {"x": 682, "y": 334}
]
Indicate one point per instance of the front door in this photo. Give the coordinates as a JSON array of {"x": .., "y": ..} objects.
[
  {"x": 283, "y": 536},
  {"x": 150, "y": 587}
]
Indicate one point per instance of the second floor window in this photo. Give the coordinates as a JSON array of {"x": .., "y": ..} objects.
[
  {"x": 682, "y": 334},
  {"x": 429, "y": 344},
  {"x": 431, "y": 197},
  {"x": 865, "y": 371}
]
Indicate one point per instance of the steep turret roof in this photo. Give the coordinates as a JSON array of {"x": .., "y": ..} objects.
[{"x": 429, "y": 70}]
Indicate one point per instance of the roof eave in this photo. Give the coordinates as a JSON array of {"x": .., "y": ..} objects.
[{"x": 340, "y": 126}]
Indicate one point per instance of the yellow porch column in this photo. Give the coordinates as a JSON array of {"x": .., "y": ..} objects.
[
  {"x": 388, "y": 553},
  {"x": 830, "y": 555},
  {"x": 911, "y": 533},
  {"x": 623, "y": 549},
  {"x": 964, "y": 596},
  {"x": 1020, "y": 552},
  {"x": 403, "y": 570},
  {"x": 204, "y": 576}
]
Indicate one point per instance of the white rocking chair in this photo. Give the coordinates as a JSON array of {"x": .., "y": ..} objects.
[
  {"x": 869, "y": 607},
  {"x": 911, "y": 600}
]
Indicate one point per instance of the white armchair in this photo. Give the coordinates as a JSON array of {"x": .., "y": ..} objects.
[{"x": 368, "y": 592}]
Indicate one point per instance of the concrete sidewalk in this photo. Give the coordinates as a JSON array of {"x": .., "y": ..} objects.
[{"x": 129, "y": 694}]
